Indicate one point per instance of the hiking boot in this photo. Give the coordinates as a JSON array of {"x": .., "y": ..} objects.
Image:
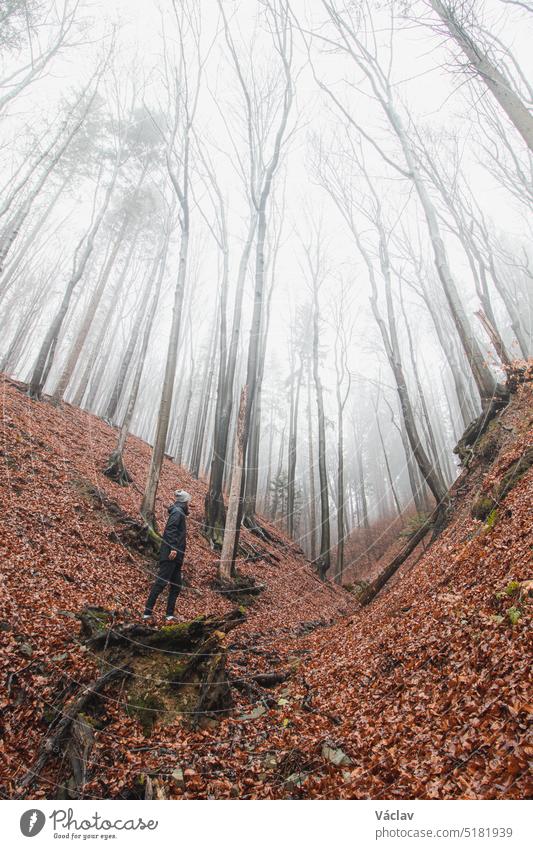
[
  {"x": 147, "y": 616},
  {"x": 171, "y": 618}
]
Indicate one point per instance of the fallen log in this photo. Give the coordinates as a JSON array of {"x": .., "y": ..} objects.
[
  {"x": 138, "y": 637},
  {"x": 370, "y": 592}
]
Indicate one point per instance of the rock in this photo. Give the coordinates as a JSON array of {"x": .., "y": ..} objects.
[
  {"x": 296, "y": 779},
  {"x": 177, "y": 777},
  {"x": 26, "y": 650},
  {"x": 335, "y": 756}
]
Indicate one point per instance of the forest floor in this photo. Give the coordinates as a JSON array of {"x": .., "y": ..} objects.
[{"x": 422, "y": 694}]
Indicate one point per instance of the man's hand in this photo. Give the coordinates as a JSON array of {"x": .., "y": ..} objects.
[{"x": 173, "y": 554}]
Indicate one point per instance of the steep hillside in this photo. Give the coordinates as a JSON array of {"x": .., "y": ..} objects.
[
  {"x": 62, "y": 549},
  {"x": 424, "y": 693}
]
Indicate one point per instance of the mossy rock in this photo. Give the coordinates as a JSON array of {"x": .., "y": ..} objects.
[
  {"x": 488, "y": 444},
  {"x": 482, "y": 507}
]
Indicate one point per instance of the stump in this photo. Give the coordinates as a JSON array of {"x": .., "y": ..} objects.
[{"x": 177, "y": 671}]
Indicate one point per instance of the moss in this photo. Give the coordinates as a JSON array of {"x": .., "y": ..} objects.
[
  {"x": 491, "y": 519},
  {"x": 359, "y": 587},
  {"x": 50, "y": 714},
  {"x": 145, "y": 709},
  {"x": 512, "y": 588},
  {"x": 154, "y": 536},
  {"x": 514, "y": 614},
  {"x": 482, "y": 507},
  {"x": 487, "y": 445},
  {"x": 90, "y": 720},
  {"x": 414, "y": 523},
  {"x": 178, "y": 635}
]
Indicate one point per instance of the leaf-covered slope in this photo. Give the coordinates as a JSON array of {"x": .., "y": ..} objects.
[
  {"x": 422, "y": 694},
  {"x": 61, "y": 549}
]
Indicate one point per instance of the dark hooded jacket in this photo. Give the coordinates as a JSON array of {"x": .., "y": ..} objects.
[{"x": 175, "y": 534}]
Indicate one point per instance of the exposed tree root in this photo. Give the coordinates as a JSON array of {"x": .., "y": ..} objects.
[
  {"x": 116, "y": 470},
  {"x": 242, "y": 589},
  {"x": 250, "y": 553},
  {"x": 54, "y": 744},
  {"x": 136, "y": 535},
  {"x": 165, "y": 673},
  {"x": 476, "y": 429},
  {"x": 252, "y": 525}
]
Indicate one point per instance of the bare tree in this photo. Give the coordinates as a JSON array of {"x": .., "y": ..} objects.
[
  {"x": 183, "y": 79},
  {"x": 85, "y": 248},
  {"x": 480, "y": 49},
  {"x": 343, "y": 332},
  {"x": 360, "y": 45},
  {"x": 263, "y": 169},
  {"x": 115, "y": 468},
  {"x": 316, "y": 271}
]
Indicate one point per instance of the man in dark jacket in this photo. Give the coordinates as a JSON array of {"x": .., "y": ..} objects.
[{"x": 171, "y": 556}]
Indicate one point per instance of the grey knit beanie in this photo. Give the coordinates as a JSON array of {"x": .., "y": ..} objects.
[{"x": 182, "y": 496}]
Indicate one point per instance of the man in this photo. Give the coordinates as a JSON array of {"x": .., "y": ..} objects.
[{"x": 171, "y": 556}]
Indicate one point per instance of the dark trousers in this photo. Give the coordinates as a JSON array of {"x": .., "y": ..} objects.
[{"x": 169, "y": 574}]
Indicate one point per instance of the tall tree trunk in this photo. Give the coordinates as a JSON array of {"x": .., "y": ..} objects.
[
  {"x": 485, "y": 381},
  {"x": 88, "y": 318},
  {"x": 323, "y": 561},
  {"x": 115, "y": 398},
  {"x": 147, "y": 507},
  {"x": 312, "y": 484},
  {"x": 215, "y": 514},
  {"x": 230, "y": 541},
  {"x": 28, "y": 244},
  {"x": 20, "y": 216},
  {"x": 464, "y": 399},
  {"x": 203, "y": 407},
  {"x": 387, "y": 467},
  {"x": 494, "y": 79},
  {"x": 115, "y": 467},
  {"x": 96, "y": 348},
  {"x": 252, "y": 466},
  {"x": 46, "y": 352},
  {"x": 296, "y": 382}
]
